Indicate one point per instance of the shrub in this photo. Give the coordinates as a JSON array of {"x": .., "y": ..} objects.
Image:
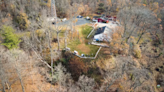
[
  {"x": 137, "y": 51},
  {"x": 22, "y": 21},
  {"x": 101, "y": 4}
]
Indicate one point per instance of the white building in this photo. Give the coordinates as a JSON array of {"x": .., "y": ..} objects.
[{"x": 103, "y": 34}]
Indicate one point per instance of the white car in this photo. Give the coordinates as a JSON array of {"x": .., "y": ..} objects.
[
  {"x": 64, "y": 19},
  {"x": 87, "y": 18},
  {"x": 75, "y": 52}
]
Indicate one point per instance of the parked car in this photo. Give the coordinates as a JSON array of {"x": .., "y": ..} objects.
[
  {"x": 103, "y": 20},
  {"x": 79, "y": 16},
  {"x": 75, "y": 52},
  {"x": 103, "y": 15},
  {"x": 88, "y": 18},
  {"x": 64, "y": 19},
  {"x": 53, "y": 23}
]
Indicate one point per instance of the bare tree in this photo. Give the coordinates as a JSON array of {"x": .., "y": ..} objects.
[
  {"x": 136, "y": 19},
  {"x": 129, "y": 74},
  {"x": 61, "y": 76},
  {"x": 86, "y": 84},
  {"x": 73, "y": 13},
  {"x": 16, "y": 59},
  {"x": 3, "y": 77}
]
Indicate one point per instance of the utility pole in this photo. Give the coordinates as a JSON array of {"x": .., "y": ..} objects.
[{"x": 53, "y": 10}]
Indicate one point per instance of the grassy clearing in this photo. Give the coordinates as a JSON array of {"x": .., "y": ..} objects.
[
  {"x": 81, "y": 45},
  {"x": 82, "y": 48}
]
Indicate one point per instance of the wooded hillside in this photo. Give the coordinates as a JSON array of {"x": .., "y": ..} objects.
[{"x": 37, "y": 46}]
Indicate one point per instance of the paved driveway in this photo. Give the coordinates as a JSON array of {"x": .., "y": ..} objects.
[{"x": 81, "y": 21}]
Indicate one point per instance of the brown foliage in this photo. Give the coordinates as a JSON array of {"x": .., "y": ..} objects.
[
  {"x": 77, "y": 67},
  {"x": 106, "y": 64},
  {"x": 118, "y": 46}
]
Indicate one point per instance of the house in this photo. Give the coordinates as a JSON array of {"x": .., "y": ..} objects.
[{"x": 103, "y": 34}]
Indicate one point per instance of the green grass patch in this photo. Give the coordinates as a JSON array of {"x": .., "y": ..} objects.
[
  {"x": 81, "y": 45},
  {"x": 83, "y": 48},
  {"x": 73, "y": 44},
  {"x": 93, "y": 49},
  {"x": 86, "y": 30}
]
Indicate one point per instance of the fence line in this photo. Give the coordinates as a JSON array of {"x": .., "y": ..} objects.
[
  {"x": 90, "y": 57},
  {"x": 92, "y": 30},
  {"x": 90, "y": 33},
  {"x": 99, "y": 44}
]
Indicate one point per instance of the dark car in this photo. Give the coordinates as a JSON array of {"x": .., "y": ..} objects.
[
  {"x": 79, "y": 16},
  {"x": 53, "y": 23},
  {"x": 103, "y": 15}
]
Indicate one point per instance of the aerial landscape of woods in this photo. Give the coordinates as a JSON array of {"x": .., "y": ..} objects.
[{"x": 81, "y": 45}]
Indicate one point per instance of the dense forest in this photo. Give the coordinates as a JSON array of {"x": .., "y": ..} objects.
[{"x": 34, "y": 41}]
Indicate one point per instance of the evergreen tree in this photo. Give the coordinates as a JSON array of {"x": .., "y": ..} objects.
[{"x": 11, "y": 40}]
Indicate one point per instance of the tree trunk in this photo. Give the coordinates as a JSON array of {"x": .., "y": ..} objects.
[
  {"x": 58, "y": 41},
  {"x": 3, "y": 84},
  {"x": 65, "y": 40},
  {"x": 130, "y": 35},
  {"x": 71, "y": 31},
  {"x": 65, "y": 43},
  {"x": 51, "y": 62},
  {"x": 124, "y": 32},
  {"x": 140, "y": 38},
  {"x": 50, "y": 48},
  {"x": 20, "y": 78}
]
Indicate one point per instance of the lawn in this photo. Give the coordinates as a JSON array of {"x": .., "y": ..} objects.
[
  {"x": 81, "y": 45},
  {"x": 85, "y": 30}
]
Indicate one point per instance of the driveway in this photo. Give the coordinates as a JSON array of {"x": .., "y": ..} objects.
[{"x": 81, "y": 21}]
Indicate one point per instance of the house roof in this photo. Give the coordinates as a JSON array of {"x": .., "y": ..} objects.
[{"x": 100, "y": 30}]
